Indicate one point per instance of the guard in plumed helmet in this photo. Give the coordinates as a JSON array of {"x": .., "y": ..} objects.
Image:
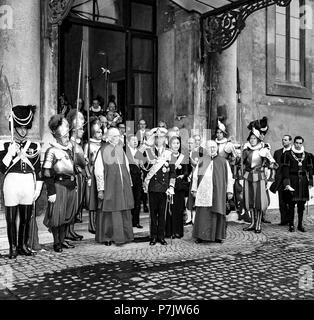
[
  {"x": 256, "y": 158},
  {"x": 20, "y": 164}
]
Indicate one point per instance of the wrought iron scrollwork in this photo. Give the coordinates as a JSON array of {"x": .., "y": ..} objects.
[
  {"x": 58, "y": 10},
  {"x": 221, "y": 30}
]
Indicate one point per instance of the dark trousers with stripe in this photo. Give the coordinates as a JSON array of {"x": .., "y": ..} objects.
[{"x": 157, "y": 207}]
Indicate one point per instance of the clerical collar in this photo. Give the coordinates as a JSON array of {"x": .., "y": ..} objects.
[
  {"x": 223, "y": 140},
  {"x": 286, "y": 149},
  {"x": 294, "y": 150},
  {"x": 60, "y": 146}
]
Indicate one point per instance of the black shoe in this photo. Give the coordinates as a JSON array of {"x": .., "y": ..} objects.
[
  {"x": 198, "y": 240},
  {"x": 107, "y": 243},
  {"x": 265, "y": 221},
  {"x": 188, "y": 223},
  {"x": 152, "y": 242},
  {"x": 67, "y": 245},
  {"x": 57, "y": 248},
  {"x": 78, "y": 236},
  {"x": 291, "y": 228},
  {"x": 72, "y": 238},
  {"x": 248, "y": 229},
  {"x": 301, "y": 229},
  {"x": 218, "y": 240},
  {"x": 258, "y": 231},
  {"x": 12, "y": 253},
  {"x": 177, "y": 236},
  {"x": 163, "y": 242},
  {"x": 146, "y": 209},
  {"x": 92, "y": 231},
  {"x": 139, "y": 226},
  {"x": 24, "y": 252}
]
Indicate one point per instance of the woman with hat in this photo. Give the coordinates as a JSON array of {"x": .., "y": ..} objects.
[
  {"x": 174, "y": 217},
  {"x": 20, "y": 164},
  {"x": 256, "y": 157},
  {"x": 59, "y": 175}
]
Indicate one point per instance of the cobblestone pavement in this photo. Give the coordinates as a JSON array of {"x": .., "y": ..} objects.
[{"x": 269, "y": 265}]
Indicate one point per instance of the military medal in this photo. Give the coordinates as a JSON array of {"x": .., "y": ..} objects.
[{"x": 164, "y": 170}]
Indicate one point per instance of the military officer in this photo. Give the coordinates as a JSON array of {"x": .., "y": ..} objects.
[
  {"x": 159, "y": 183},
  {"x": 20, "y": 164}
]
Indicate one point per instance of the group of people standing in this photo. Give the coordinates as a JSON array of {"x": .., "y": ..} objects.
[{"x": 112, "y": 173}]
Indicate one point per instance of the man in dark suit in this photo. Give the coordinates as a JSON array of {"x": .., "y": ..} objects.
[
  {"x": 277, "y": 184},
  {"x": 136, "y": 176},
  {"x": 297, "y": 173}
]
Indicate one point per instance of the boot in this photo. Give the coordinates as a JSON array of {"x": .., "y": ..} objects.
[
  {"x": 252, "y": 225},
  {"x": 25, "y": 216},
  {"x": 11, "y": 230},
  {"x": 258, "y": 225},
  {"x": 300, "y": 221},
  {"x": 56, "y": 239},
  {"x": 92, "y": 222}
]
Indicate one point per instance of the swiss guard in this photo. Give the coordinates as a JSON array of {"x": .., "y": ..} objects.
[{"x": 20, "y": 164}]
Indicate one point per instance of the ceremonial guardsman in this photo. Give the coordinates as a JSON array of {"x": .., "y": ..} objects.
[
  {"x": 226, "y": 148},
  {"x": 20, "y": 163},
  {"x": 90, "y": 152},
  {"x": 256, "y": 157},
  {"x": 297, "y": 171},
  {"x": 159, "y": 183},
  {"x": 59, "y": 175},
  {"x": 76, "y": 123}
]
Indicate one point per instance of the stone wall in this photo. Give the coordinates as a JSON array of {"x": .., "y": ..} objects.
[
  {"x": 181, "y": 76},
  {"x": 286, "y": 115}
]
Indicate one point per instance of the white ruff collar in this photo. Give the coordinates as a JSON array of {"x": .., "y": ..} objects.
[
  {"x": 257, "y": 147},
  {"x": 223, "y": 140},
  {"x": 60, "y": 146},
  {"x": 294, "y": 150},
  {"x": 95, "y": 140}
]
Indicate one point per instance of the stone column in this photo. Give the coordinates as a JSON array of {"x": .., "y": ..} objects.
[
  {"x": 20, "y": 57},
  {"x": 226, "y": 95}
]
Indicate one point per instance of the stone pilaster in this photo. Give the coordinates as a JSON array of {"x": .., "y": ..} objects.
[{"x": 20, "y": 58}]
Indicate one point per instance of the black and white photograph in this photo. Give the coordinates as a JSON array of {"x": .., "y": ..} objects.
[{"x": 156, "y": 154}]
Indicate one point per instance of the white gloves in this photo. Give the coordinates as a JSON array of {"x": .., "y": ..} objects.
[
  {"x": 13, "y": 149},
  {"x": 52, "y": 198},
  {"x": 170, "y": 191},
  {"x": 289, "y": 188},
  {"x": 39, "y": 185}
]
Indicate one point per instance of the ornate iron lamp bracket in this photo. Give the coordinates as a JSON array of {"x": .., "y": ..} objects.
[{"x": 220, "y": 30}]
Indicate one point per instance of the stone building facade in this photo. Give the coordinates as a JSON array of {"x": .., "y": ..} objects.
[{"x": 192, "y": 87}]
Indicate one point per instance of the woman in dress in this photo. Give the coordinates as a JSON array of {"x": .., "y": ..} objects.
[
  {"x": 59, "y": 175},
  {"x": 174, "y": 218}
]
